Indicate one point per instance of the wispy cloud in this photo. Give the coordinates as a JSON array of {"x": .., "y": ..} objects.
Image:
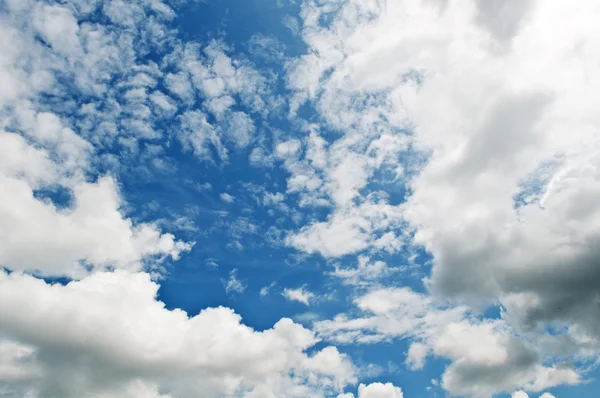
[{"x": 234, "y": 285}]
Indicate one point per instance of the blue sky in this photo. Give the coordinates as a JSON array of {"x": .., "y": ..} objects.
[{"x": 303, "y": 198}]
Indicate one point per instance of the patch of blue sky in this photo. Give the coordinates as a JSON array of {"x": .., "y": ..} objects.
[
  {"x": 535, "y": 184},
  {"x": 59, "y": 196}
]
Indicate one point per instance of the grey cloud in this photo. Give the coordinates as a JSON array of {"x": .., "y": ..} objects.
[{"x": 502, "y": 18}]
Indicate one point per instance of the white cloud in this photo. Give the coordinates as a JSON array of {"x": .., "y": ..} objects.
[
  {"x": 523, "y": 394},
  {"x": 335, "y": 175},
  {"x": 121, "y": 339},
  {"x": 259, "y": 157},
  {"x": 366, "y": 272},
  {"x": 287, "y": 149},
  {"x": 316, "y": 150},
  {"x": 234, "y": 285},
  {"x": 300, "y": 295},
  {"x": 379, "y": 390},
  {"x": 376, "y": 390},
  {"x": 348, "y": 230},
  {"x": 163, "y": 102},
  {"x": 219, "y": 79},
  {"x": 240, "y": 129},
  {"x": 270, "y": 198},
  {"x": 266, "y": 47},
  {"x": 198, "y": 135},
  {"x": 264, "y": 291},
  {"x": 179, "y": 84},
  {"x": 213, "y": 87},
  {"x": 222, "y": 82},
  {"x": 58, "y": 27},
  {"x": 416, "y": 355},
  {"x": 219, "y": 106},
  {"x": 486, "y": 356},
  {"x": 225, "y": 197},
  {"x": 18, "y": 158},
  {"x": 92, "y": 232},
  {"x": 211, "y": 263}
]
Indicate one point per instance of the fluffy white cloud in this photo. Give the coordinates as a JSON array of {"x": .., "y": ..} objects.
[
  {"x": 287, "y": 149},
  {"x": 300, "y": 294},
  {"x": 376, "y": 390},
  {"x": 523, "y": 394},
  {"x": 87, "y": 232},
  {"x": 379, "y": 390},
  {"x": 416, "y": 355},
  {"x": 91, "y": 233},
  {"x": 120, "y": 341}
]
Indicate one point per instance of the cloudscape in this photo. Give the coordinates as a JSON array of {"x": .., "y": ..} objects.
[{"x": 299, "y": 198}]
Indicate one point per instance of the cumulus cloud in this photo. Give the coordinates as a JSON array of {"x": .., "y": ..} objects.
[
  {"x": 376, "y": 390},
  {"x": 300, "y": 295},
  {"x": 90, "y": 233},
  {"x": 379, "y": 390},
  {"x": 121, "y": 339},
  {"x": 523, "y": 394},
  {"x": 416, "y": 355}
]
